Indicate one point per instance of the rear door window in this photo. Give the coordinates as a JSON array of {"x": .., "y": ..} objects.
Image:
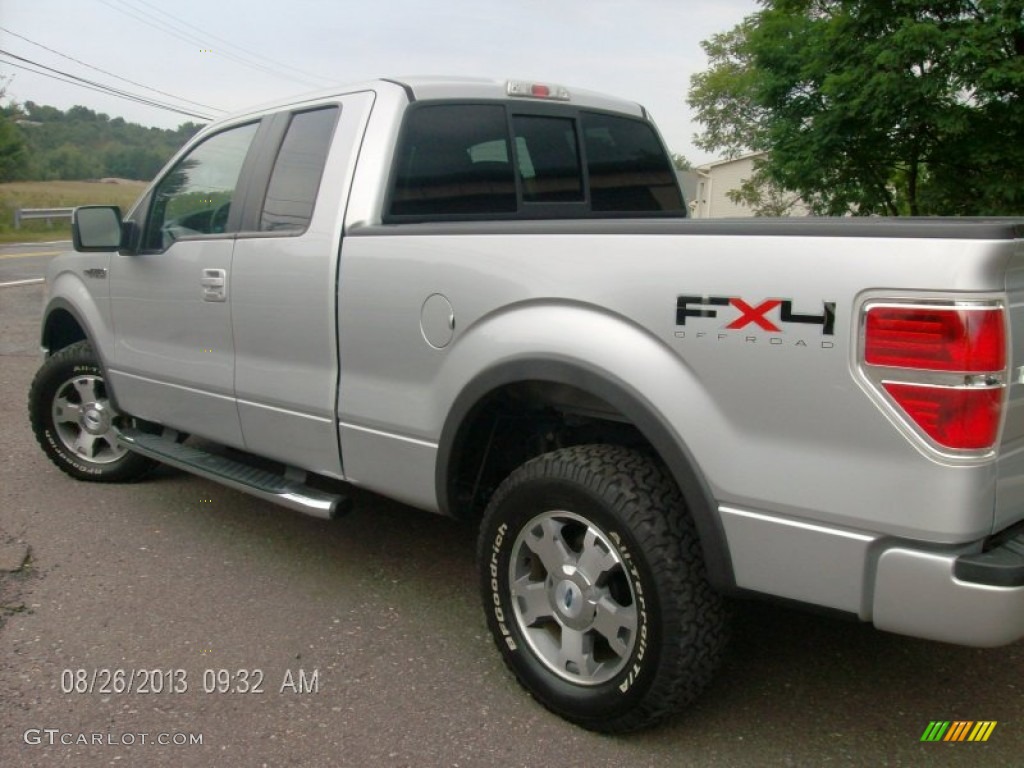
[{"x": 295, "y": 179}]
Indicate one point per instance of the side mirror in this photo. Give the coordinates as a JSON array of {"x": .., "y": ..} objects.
[{"x": 96, "y": 228}]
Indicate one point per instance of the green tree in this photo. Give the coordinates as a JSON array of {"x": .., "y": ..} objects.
[
  {"x": 69, "y": 162},
  {"x": 41, "y": 113},
  {"x": 13, "y": 149},
  {"x": 680, "y": 163},
  {"x": 132, "y": 162},
  {"x": 81, "y": 143},
  {"x": 874, "y": 106}
]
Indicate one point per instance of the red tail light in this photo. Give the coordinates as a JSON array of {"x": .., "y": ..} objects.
[
  {"x": 967, "y": 419},
  {"x": 967, "y": 340},
  {"x": 942, "y": 366}
]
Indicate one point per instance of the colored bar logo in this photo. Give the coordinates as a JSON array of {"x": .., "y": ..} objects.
[{"x": 959, "y": 730}]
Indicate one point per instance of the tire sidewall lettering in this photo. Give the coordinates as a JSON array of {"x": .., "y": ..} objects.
[
  {"x": 636, "y": 668},
  {"x": 637, "y": 674},
  {"x": 494, "y": 569},
  {"x": 62, "y": 453}
]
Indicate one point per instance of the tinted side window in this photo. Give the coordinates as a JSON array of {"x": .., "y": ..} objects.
[
  {"x": 195, "y": 197},
  {"x": 295, "y": 179},
  {"x": 628, "y": 168},
  {"x": 549, "y": 159},
  {"x": 454, "y": 160}
]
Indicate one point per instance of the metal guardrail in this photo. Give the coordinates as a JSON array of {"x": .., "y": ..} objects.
[{"x": 26, "y": 214}]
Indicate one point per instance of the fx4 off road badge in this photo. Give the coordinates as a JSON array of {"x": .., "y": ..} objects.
[{"x": 762, "y": 322}]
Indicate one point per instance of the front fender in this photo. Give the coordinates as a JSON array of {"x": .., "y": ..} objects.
[{"x": 73, "y": 302}]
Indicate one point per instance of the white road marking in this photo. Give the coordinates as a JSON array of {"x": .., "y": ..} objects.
[{"x": 29, "y": 255}]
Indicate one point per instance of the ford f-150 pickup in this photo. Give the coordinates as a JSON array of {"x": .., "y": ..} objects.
[{"x": 485, "y": 300}]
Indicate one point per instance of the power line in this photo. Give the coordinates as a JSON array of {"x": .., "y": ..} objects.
[
  {"x": 53, "y": 77},
  {"x": 105, "y": 72},
  {"x": 62, "y": 79},
  {"x": 93, "y": 85},
  {"x": 105, "y": 90},
  {"x": 259, "y": 56},
  {"x": 134, "y": 13}
]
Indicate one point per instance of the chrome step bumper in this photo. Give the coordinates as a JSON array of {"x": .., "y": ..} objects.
[{"x": 258, "y": 482}]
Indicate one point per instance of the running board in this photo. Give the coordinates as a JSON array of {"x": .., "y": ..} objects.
[{"x": 258, "y": 482}]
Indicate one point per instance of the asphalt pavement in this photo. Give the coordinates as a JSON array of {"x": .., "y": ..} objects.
[
  {"x": 176, "y": 622},
  {"x": 26, "y": 264}
]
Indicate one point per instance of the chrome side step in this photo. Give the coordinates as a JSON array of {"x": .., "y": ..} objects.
[{"x": 281, "y": 490}]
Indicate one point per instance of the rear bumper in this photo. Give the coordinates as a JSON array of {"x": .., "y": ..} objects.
[
  {"x": 953, "y": 594},
  {"x": 975, "y": 600}
]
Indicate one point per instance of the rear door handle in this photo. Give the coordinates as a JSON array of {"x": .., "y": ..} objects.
[{"x": 215, "y": 284}]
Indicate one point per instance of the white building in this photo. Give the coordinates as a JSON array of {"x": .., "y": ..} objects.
[{"x": 715, "y": 180}]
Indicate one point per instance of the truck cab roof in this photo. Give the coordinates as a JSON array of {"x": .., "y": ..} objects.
[{"x": 451, "y": 88}]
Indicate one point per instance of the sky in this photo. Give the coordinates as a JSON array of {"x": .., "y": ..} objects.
[{"x": 231, "y": 54}]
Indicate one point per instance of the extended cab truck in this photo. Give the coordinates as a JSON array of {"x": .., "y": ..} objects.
[{"x": 483, "y": 299}]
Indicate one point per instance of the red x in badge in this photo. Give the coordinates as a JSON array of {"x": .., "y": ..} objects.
[{"x": 754, "y": 314}]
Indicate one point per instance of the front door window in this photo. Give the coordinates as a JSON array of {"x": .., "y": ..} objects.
[{"x": 194, "y": 199}]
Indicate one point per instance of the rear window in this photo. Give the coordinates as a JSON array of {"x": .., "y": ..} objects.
[
  {"x": 549, "y": 159},
  {"x": 628, "y": 168},
  {"x": 473, "y": 161},
  {"x": 454, "y": 160}
]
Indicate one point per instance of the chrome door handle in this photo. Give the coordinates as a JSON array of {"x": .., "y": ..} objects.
[{"x": 215, "y": 284}]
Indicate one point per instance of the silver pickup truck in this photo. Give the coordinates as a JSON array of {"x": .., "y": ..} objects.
[{"x": 484, "y": 300}]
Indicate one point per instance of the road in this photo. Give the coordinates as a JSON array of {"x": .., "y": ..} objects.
[
  {"x": 20, "y": 263},
  {"x": 369, "y": 644}
]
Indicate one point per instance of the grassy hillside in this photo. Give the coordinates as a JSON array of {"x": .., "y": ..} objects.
[{"x": 57, "y": 194}]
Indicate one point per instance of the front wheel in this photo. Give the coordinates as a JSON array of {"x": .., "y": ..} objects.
[
  {"x": 75, "y": 422},
  {"x": 595, "y": 588}
]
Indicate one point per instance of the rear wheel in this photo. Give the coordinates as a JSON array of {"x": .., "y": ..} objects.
[
  {"x": 595, "y": 588},
  {"x": 75, "y": 422}
]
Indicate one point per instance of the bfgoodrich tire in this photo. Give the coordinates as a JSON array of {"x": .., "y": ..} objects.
[
  {"x": 595, "y": 589},
  {"x": 75, "y": 422}
]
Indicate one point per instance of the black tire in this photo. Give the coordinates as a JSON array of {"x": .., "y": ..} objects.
[
  {"x": 76, "y": 424},
  {"x": 630, "y": 631}
]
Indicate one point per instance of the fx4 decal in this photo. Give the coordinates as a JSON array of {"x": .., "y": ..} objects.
[{"x": 761, "y": 315}]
